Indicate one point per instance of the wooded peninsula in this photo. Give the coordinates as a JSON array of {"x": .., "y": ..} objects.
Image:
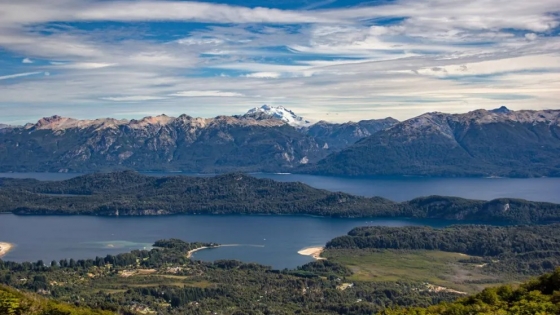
[{"x": 131, "y": 193}]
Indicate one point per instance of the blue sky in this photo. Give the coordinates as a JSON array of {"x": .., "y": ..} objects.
[{"x": 333, "y": 60}]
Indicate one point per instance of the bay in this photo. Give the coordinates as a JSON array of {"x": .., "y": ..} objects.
[{"x": 268, "y": 240}]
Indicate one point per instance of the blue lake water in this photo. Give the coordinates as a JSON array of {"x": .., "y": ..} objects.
[{"x": 269, "y": 240}]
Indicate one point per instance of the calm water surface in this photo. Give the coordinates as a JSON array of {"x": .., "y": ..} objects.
[{"x": 269, "y": 240}]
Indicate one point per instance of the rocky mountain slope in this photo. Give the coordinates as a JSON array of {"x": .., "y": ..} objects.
[
  {"x": 267, "y": 138},
  {"x": 479, "y": 143},
  {"x": 156, "y": 143},
  {"x": 339, "y": 136}
]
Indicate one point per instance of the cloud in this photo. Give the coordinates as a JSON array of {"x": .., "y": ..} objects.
[
  {"x": 68, "y": 10},
  {"x": 27, "y": 60},
  {"x": 18, "y": 75},
  {"x": 397, "y": 58},
  {"x": 495, "y": 67},
  {"x": 269, "y": 75},
  {"x": 531, "y": 36},
  {"x": 133, "y": 98},
  {"x": 456, "y": 14},
  {"x": 208, "y": 93},
  {"x": 82, "y": 65}
]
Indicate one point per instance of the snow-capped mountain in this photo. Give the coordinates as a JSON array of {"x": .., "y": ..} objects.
[{"x": 280, "y": 113}]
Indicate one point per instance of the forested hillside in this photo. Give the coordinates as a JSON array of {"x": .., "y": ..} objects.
[
  {"x": 540, "y": 296},
  {"x": 13, "y": 302},
  {"x": 130, "y": 193}
]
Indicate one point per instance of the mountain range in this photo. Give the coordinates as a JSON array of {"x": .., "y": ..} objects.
[
  {"x": 268, "y": 139},
  {"x": 274, "y": 139},
  {"x": 479, "y": 143}
]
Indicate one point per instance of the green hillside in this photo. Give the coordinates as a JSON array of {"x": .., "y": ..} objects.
[
  {"x": 13, "y": 302},
  {"x": 541, "y": 296}
]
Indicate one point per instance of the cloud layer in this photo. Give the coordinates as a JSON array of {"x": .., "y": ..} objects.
[{"x": 87, "y": 58}]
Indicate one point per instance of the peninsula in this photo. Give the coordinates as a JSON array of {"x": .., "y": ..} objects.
[{"x": 132, "y": 194}]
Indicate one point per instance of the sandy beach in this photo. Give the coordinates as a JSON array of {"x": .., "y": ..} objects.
[
  {"x": 314, "y": 252},
  {"x": 5, "y": 248},
  {"x": 191, "y": 252}
]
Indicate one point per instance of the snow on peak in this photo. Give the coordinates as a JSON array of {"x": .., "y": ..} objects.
[{"x": 279, "y": 113}]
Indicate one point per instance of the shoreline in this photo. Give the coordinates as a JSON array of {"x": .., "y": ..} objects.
[
  {"x": 5, "y": 248},
  {"x": 314, "y": 252},
  {"x": 192, "y": 251}
]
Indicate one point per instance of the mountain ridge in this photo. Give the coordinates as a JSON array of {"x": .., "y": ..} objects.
[
  {"x": 479, "y": 143},
  {"x": 253, "y": 142},
  {"x": 498, "y": 142}
]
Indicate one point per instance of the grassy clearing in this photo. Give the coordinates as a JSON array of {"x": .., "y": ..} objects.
[{"x": 435, "y": 267}]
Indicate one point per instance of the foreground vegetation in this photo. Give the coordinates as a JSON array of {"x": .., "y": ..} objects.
[
  {"x": 164, "y": 281},
  {"x": 129, "y": 193},
  {"x": 368, "y": 278},
  {"x": 541, "y": 296},
  {"x": 13, "y": 302}
]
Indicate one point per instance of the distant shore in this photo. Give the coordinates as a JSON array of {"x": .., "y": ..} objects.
[
  {"x": 5, "y": 248},
  {"x": 314, "y": 252}
]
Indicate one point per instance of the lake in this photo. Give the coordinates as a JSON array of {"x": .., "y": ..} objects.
[{"x": 269, "y": 240}]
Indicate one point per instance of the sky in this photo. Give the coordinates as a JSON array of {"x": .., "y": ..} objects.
[{"x": 329, "y": 59}]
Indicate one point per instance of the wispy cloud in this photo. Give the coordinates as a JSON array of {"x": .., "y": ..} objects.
[
  {"x": 269, "y": 75},
  {"x": 82, "y": 65},
  {"x": 67, "y": 10},
  {"x": 18, "y": 75},
  {"x": 133, "y": 98},
  {"x": 397, "y": 58},
  {"x": 207, "y": 94}
]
